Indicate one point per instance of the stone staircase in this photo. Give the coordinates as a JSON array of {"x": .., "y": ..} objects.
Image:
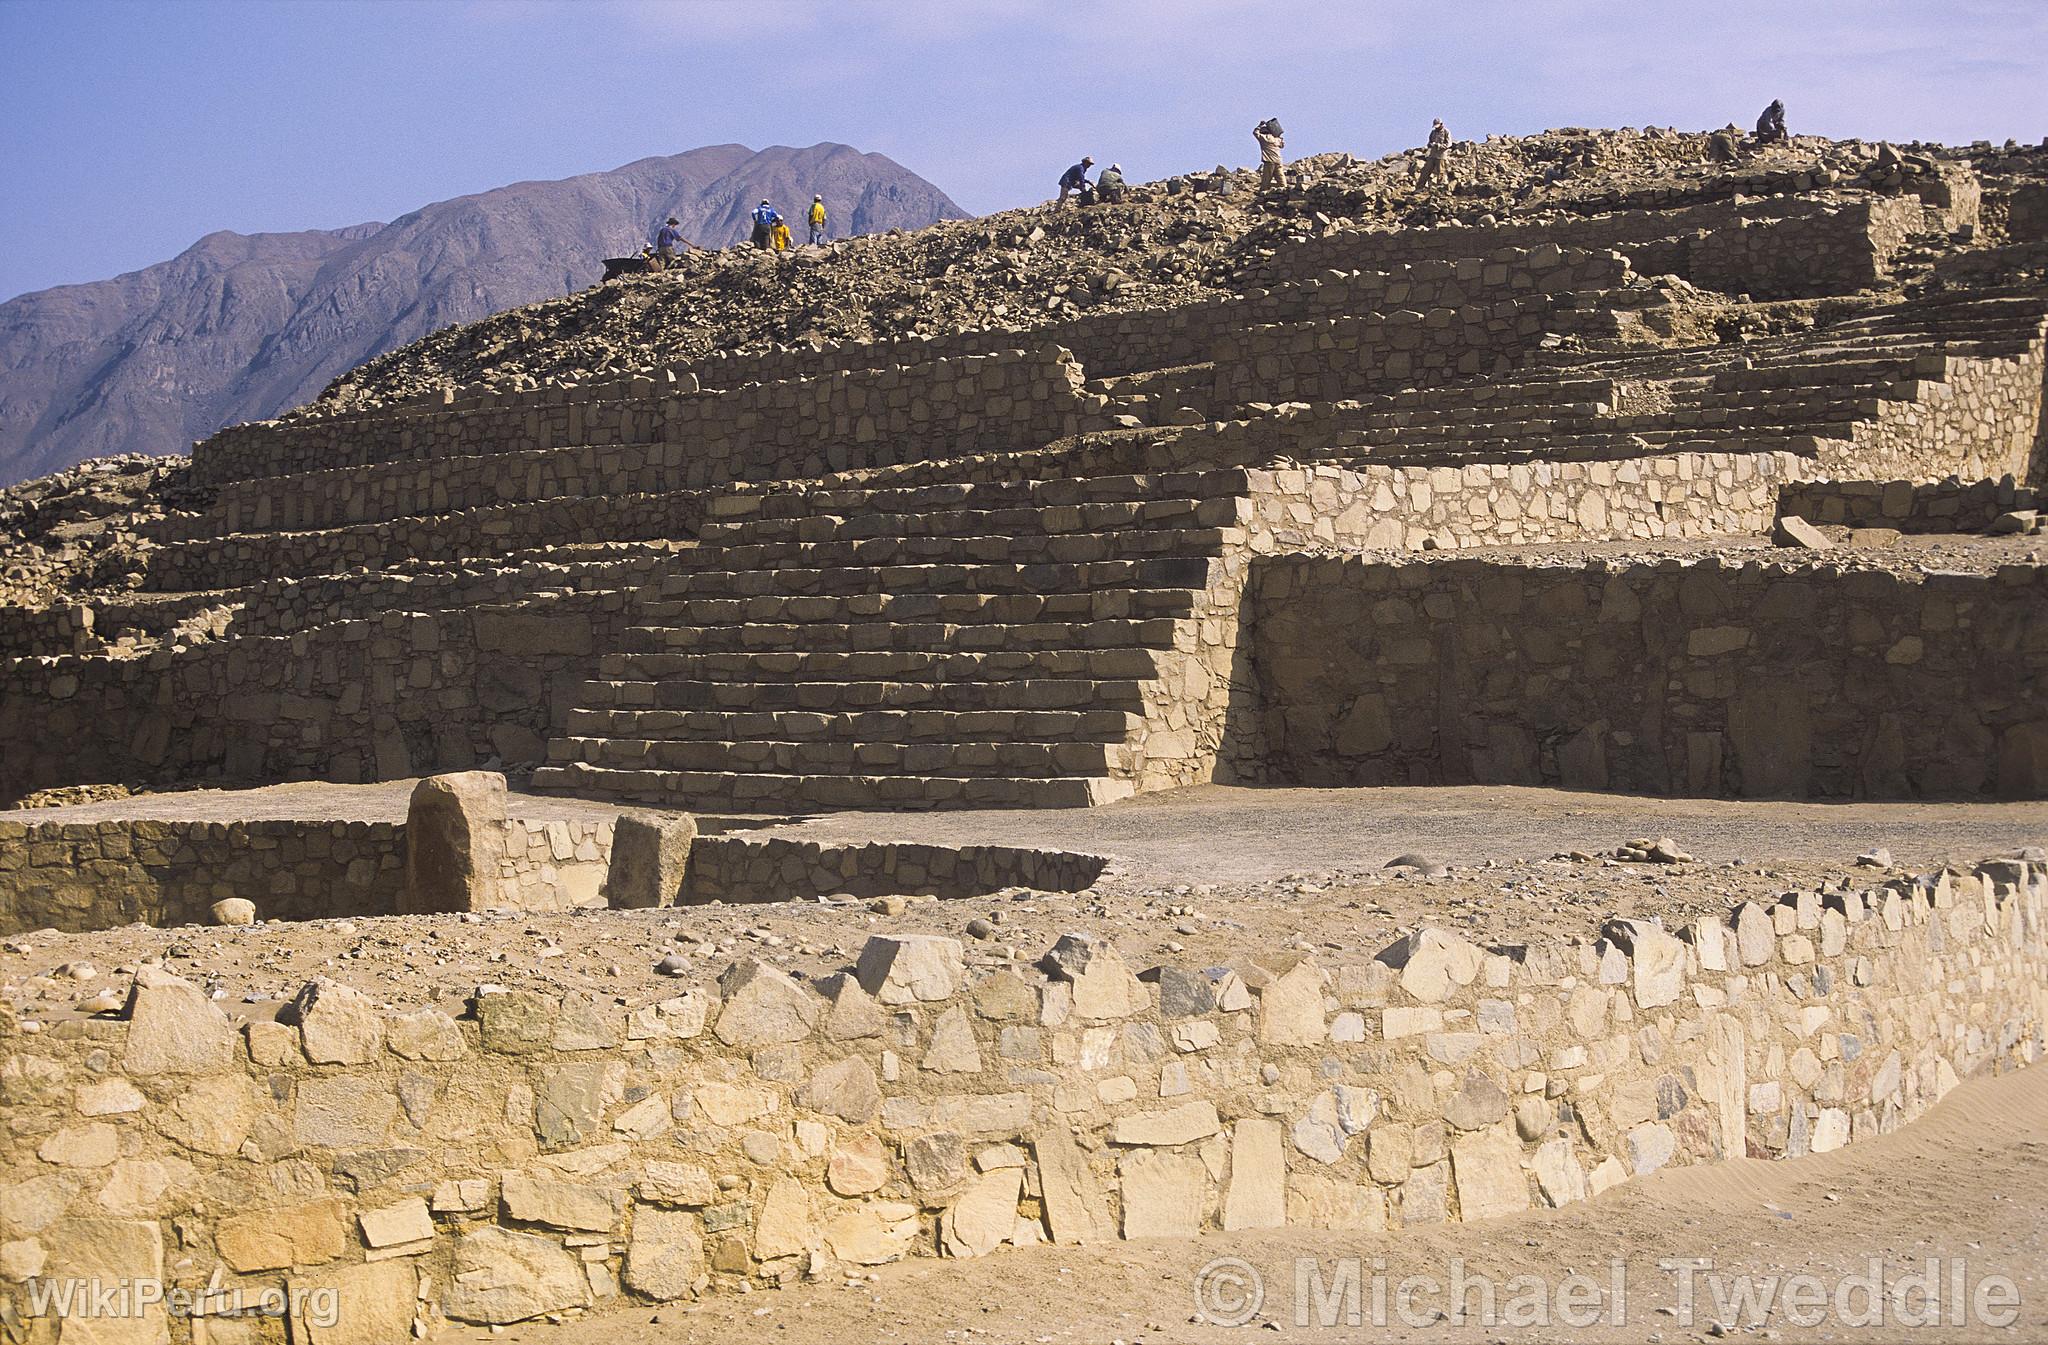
[{"x": 1033, "y": 643}]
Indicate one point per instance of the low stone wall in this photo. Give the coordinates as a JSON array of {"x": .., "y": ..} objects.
[
  {"x": 1330, "y": 359},
  {"x": 1707, "y": 678},
  {"x": 254, "y": 558},
  {"x": 1360, "y": 506},
  {"x": 545, "y": 1153},
  {"x": 1964, "y": 417},
  {"x": 771, "y": 868},
  {"x": 799, "y": 428},
  {"x": 1785, "y": 247},
  {"x": 96, "y": 875},
  {"x": 1839, "y": 250},
  {"x": 1950, "y": 505},
  {"x": 406, "y": 694}
]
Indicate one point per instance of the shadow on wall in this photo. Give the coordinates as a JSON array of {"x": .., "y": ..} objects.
[{"x": 1701, "y": 681}]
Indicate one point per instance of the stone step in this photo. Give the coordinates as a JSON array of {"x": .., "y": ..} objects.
[
  {"x": 957, "y": 608},
  {"x": 783, "y": 502},
  {"x": 864, "y": 523},
  {"x": 849, "y": 696},
  {"x": 967, "y": 759},
  {"x": 796, "y": 665},
  {"x": 1188, "y": 572},
  {"x": 1156, "y": 633},
  {"x": 1063, "y": 548},
  {"x": 743, "y": 793},
  {"x": 893, "y": 726}
]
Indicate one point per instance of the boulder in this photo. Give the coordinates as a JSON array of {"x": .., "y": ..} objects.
[
  {"x": 650, "y": 856},
  {"x": 506, "y": 1276},
  {"x": 173, "y": 1028},
  {"x": 910, "y": 968},
  {"x": 454, "y": 839}
]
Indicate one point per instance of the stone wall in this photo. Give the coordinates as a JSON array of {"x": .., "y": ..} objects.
[
  {"x": 771, "y": 868},
  {"x": 1708, "y": 678},
  {"x": 1949, "y": 505},
  {"x": 405, "y": 694},
  {"x": 1965, "y": 417},
  {"x": 548, "y": 1153},
  {"x": 1330, "y": 359},
  {"x": 1778, "y": 248},
  {"x": 253, "y": 558},
  {"x": 772, "y": 430},
  {"x": 97, "y": 875}
]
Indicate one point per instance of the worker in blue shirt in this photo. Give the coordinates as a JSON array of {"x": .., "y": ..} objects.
[
  {"x": 668, "y": 244},
  {"x": 1075, "y": 179},
  {"x": 765, "y": 220}
]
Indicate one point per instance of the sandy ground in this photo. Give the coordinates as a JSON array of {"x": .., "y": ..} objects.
[
  {"x": 1201, "y": 878},
  {"x": 1218, "y": 834},
  {"x": 1966, "y": 1184}
]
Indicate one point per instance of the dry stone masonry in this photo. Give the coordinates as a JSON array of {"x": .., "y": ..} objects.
[{"x": 534, "y": 1154}]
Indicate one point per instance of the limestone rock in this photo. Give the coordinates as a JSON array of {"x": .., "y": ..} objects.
[
  {"x": 1291, "y": 1007},
  {"x": 1163, "y": 1194},
  {"x": 1325, "y": 1202},
  {"x": 1433, "y": 964},
  {"x": 910, "y": 968},
  {"x": 337, "y": 1025},
  {"x": 570, "y": 1206},
  {"x": 785, "y": 1225},
  {"x": 373, "y": 1304},
  {"x": 1488, "y": 1169},
  {"x": 985, "y": 1215},
  {"x": 763, "y": 1007},
  {"x": 1659, "y": 959},
  {"x": 1559, "y": 1176},
  {"x": 279, "y": 1239},
  {"x": 1256, "y": 1196},
  {"x": 1318, "y": 1133},
  {"x": 666, "y": 1183},
  {"x": 858, "y": 1165},
  {"x": 1103, "y": 988},
  {"x": 394, "y": 1225},
  {"x": 850, "y": 1012},
  {"x": 454, "y": 840},
  {"x": 1792, "y": 530},
  {"x": 233, "y": 911},
  {"x": 173, "y": 1028},
  {"x": 1180, "y": 1125},
  {"x": 873, "y": 1233},
  {"x": 953, "y": 1049},
  {"x": 1075, "y": 1208},
  {"x": 846, "y": 1089},
  {"x": 1478, "y": 1103},
  {"x": 650, "y": 857},
  {"x": 426, "y": 1034},
  {"x": 505, "y": 1276},
  {"x": 936, "y": 1163},
  {"x": 665, "y": 1255}
]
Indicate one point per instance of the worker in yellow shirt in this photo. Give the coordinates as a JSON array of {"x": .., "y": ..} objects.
[{"x": 817, "y": 219}]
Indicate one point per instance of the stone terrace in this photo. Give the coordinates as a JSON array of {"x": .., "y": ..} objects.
[{"x": 1011, "y": 569}]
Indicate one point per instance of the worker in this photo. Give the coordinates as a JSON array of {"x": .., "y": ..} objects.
[
  {"x": 1075, "y": 180},
  {"x": 1434, "y": 153},
  {"x": 778, "y": 235},
  {"x": 1725, "y": 145},
  {"x": 667, "y": 243},
  {"x": 1269, "y": 135},
  {"x": 817, "y": 220},
  {"x": 765, "y": 220},
  {"x": 1770, "y": 127},
  {"x": 1109, "y": 188}
]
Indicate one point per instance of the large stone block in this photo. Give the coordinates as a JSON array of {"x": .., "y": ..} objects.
[
  {"x": 650, "y": 858},
  {"x": 454, "y": 840},
  {"x": 173, "y": 1028}
]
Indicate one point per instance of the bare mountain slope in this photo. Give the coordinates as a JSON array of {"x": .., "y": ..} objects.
[{"x": 239, "y": 328}]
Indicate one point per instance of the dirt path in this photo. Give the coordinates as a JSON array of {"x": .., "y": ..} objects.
[
  {"x": 1219, "y": 834},
  {"x": 1967, "y": 1181}
]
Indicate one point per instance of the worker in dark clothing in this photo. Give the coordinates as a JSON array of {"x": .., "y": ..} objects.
[
  {"x": 765, "y": 220},
  {"x": 1075, "y": 180},
  {"x": 1434, "y": 168},
  {"x": 1770, "y": 127},
  {"x": 668, "y": 245}
]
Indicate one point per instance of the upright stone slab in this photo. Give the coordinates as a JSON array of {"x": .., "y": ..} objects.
[
  {"x": 650, "y": 858},
  {"x": 454, "y": 838}
]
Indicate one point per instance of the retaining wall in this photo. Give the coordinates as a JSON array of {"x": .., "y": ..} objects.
[
  {"x": 409, "y": 693},
  {"x": 97, "y": 875},
  {"x": 1707, "y": 678},
  {"x": 791, "y": 429},
  {"x": 1950, "y": 505},
  {"x": 550, "y": 1153}
]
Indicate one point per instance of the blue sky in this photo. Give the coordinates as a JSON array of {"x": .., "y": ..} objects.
[{"x": 128, "y": 128}]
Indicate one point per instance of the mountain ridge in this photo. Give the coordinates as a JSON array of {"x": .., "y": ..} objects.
[{"x": 242, "y": 326}]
